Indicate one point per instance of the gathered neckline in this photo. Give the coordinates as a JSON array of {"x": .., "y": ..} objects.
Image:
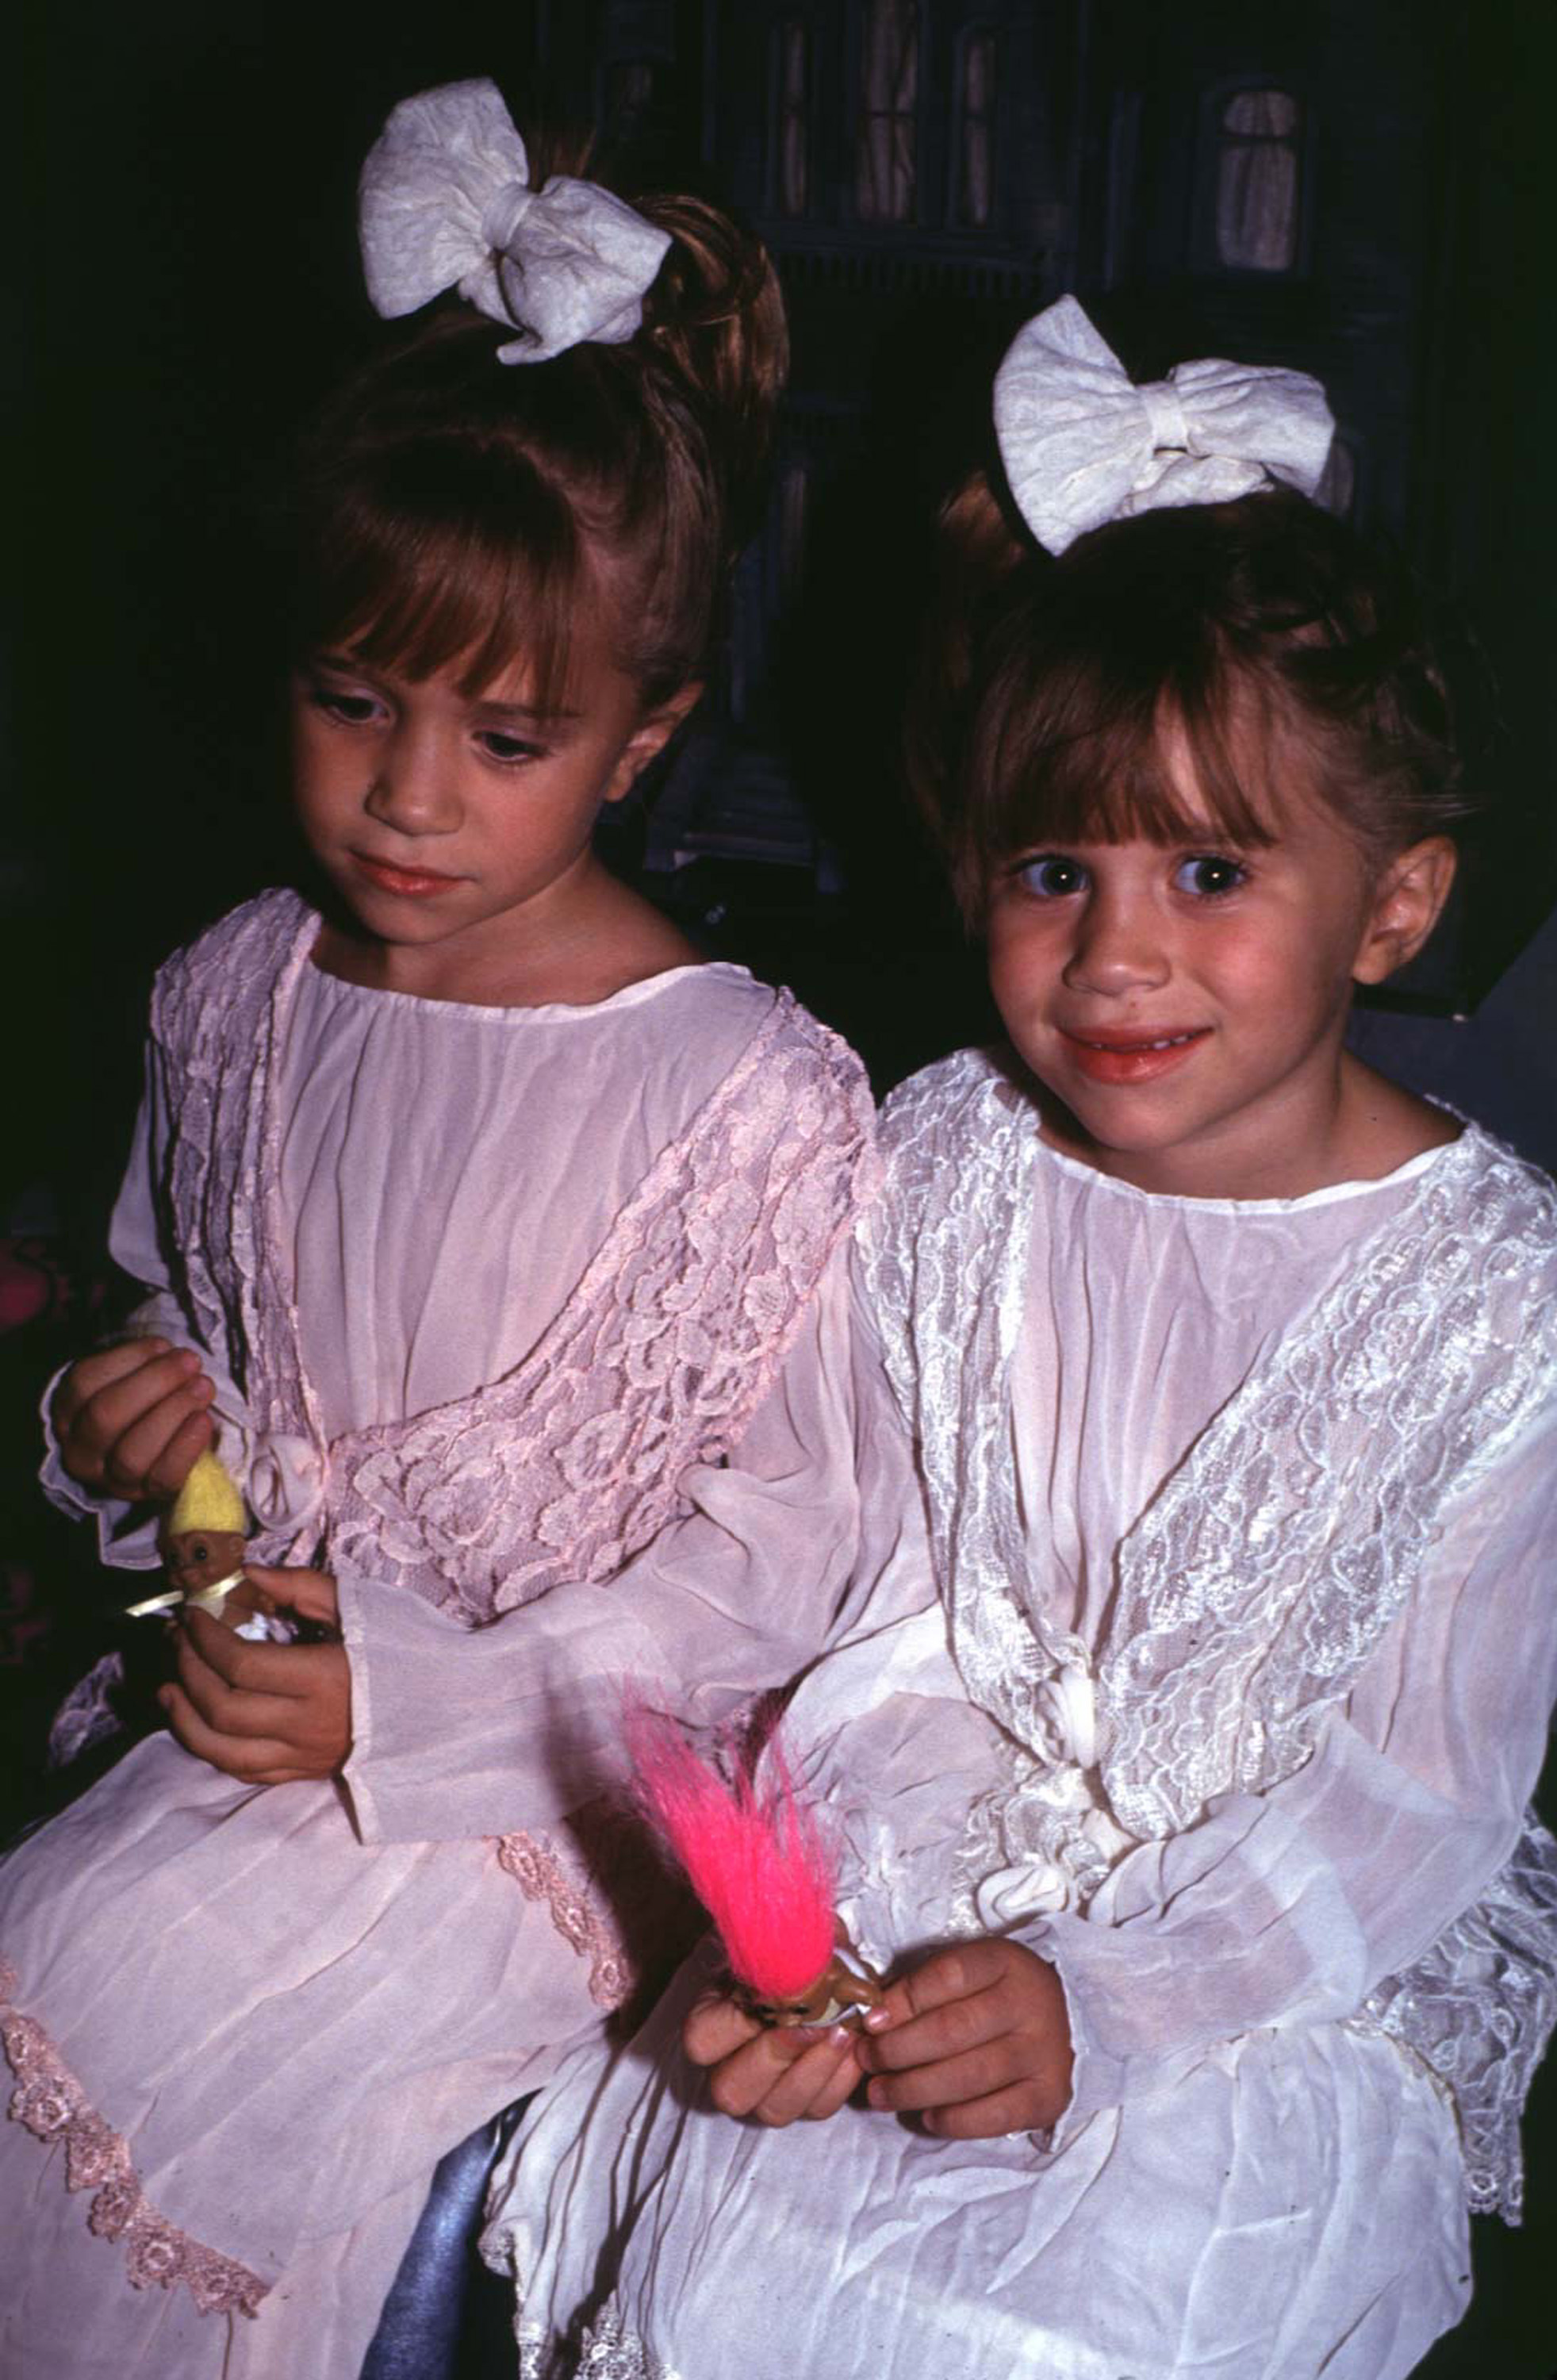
[
  {"x": 1331, "y": 1195},
  {"x": 553, "y": 1012}
]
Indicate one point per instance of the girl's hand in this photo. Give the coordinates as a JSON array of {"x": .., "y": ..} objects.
[
  {"x": 265, "y": 1714},
  {"x": 774, "y": 2072},
  {"x": 977, "y": 2040},
  {"x": 132, "y": 1419}
]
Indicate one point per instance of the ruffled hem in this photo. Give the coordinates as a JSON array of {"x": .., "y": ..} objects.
[{"x": 50, "y": 2103}]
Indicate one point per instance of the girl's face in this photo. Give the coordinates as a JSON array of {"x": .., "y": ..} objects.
[
  {"x": 451, "y": 825},
  {"x": 1188, "y": 1004}
]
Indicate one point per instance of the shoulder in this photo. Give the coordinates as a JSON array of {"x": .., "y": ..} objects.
[
  {"x": 817, "y": 1055},
  {"x": 953, "y": 1112},
  {"x": 250, "y": 941},
  {"x": 1483, "y": 1195},
  {"x": 799, "y": 1093},
  {"x": 1455, "y": 1300},
  {"x": 1484, "y": 1186},
  {"x": 953, "y": 1143},
  {"x": 752, "y": 1047}
]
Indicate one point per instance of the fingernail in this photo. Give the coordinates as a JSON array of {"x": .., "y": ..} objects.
[{"x": 877, "y": 2019}]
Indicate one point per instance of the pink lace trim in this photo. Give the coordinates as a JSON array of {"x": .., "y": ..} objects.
[
  {"x": 659, "y": 1359},
  {"x": 664, "y": 1350},
  {"x": 540, "y": 1875},
  {"x": 52, "y": 2104}
]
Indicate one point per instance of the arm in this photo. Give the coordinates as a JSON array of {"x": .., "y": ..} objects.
[
  {"x": 506, "y": 1728},
  {"x": 123, "y": 1426},
  {"x": 1281, "y": 1908},
  {"x": 1287, "y": 1907}
]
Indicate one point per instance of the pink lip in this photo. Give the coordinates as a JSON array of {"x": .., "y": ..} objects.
[
  {"x": 1131, "y": 1057},
  {"x": 415, "y": 884}
]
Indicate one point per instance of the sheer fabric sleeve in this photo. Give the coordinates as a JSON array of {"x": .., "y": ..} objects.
[
  {"x": 138, "y": 1242},
  {"x": 1288, "y": 1907},
  {"x": 797, "y": 1539}
]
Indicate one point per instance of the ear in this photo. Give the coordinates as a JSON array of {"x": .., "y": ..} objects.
[
  {"x": 1407, "y": 904},
  {"x": 649, "y": 738}
]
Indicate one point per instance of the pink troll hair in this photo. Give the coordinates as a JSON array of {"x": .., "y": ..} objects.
[{"x": 753, "y": 1854}]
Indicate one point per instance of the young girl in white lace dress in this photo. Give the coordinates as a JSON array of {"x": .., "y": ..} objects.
[
  {"x": 475, "y": 1217},
  {"x": 1185, "y": 1796}
]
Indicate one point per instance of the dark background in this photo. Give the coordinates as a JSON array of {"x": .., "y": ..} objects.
[{"x": 186, "y": 285}]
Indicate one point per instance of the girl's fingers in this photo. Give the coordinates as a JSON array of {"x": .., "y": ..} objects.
[
  {"x": 166, "y": 1476},
  {"x": 939, "y": 2033},
  {"x": 299, "y": 1695},
  {"x": 235, "y": 1712},
  {"x": 279, "y": 1673},
  {"x": 252, "y": 1760},
  {"x": 98, "y": 1372},
  {"x": 807, "y": 2088},
  {"x": 954, "y": 2081},
  {"x": 93, "y": 1374},
  {"x": 715, "y": 2028},
  {"x": 745, "y": 2083},
  {"x": 309, "y": 1592},
  {"x": 136, "y": 1460},
  {"x": 1020, "y": 2108},
  {"x": 103, "y": 1397},
  {"x": 832, "y": 2095}
]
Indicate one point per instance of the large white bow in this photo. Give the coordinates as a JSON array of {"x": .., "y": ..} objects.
[
  {"x": 445, "y": 203},
  {"x": 1081, "y": 445}
]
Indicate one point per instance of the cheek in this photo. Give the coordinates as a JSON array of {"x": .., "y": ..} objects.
[
  {"x": 1024, "y": 969},
  {"x": 1287, "y": 979},
  {"x": 1024, "y": 960},
  {"x": 319, "y": 774}
]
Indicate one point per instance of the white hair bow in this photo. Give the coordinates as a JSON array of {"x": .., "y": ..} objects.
[
  {"x": 1081, "y": 445},
  {"x": 445, "y": 203}
]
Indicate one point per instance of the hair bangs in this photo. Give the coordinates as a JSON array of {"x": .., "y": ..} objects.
[
  {"x": 1179, "y": 676},
  {"x": 479, "y": 568},
  {"x": 1093, "y": 749}
]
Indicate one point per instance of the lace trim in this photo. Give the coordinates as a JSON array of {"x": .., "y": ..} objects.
[
  {"x": 583, "y": 1924},
  {"x": 946, "y": 1265},
  {"x": 1277, "y": 1557},
  {"x": 1255, "y": 1587},
  {"x": 659, "y": 1359},
  {"x": 660, "y": 1356},
  {"x": 215, "y": 1012},
  {"x": 607, "y": 2350},
  {"x": 1479, "y": 2009},
  {"x": 50, "y": 2103}
]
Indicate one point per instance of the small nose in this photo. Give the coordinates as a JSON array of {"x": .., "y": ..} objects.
[
  {"x": 1119, "y": 946},
  {"x": 413, "y": 790}
]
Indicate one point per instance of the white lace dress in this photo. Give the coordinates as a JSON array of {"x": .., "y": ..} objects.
[
  {"x": 488, "y": 1295},
  {"x": 1243, "y": 1517}
]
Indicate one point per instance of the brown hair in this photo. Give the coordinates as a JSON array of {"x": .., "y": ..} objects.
[
  {"x": 1266, "y": 633},
  {"x": 454, "y": 508}
]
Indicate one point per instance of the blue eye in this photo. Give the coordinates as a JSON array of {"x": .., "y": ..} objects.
[
  {"x": 1209, "y": 874},
  {"x": 1051, "y": 876}
]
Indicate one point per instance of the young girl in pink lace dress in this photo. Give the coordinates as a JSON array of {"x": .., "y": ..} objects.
[
  {"x": 474, "y": 1217},
  {"x": 1212, "y": 1442}
]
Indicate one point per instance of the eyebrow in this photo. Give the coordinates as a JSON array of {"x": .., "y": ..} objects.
[{"x": 527, "y": 713}]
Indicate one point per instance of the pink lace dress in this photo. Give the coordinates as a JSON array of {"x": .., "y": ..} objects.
[{"x": 489, "y": 1296}]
